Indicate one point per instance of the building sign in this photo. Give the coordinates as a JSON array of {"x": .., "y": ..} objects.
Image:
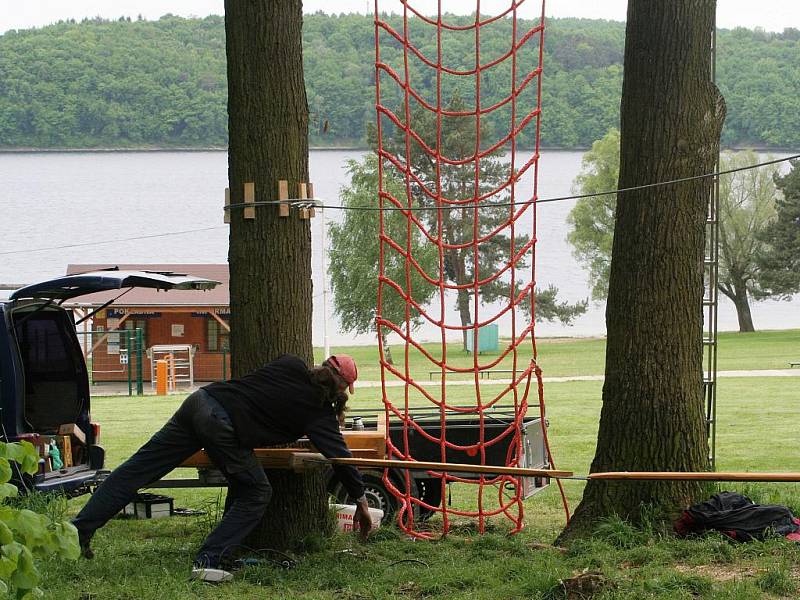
[
  {"x": 225, "y": 313},
  {"x": 117, "y": 313}
]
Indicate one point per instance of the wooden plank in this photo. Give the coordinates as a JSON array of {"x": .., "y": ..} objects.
[
  {"x": 311, "y": 212},
  {"x": 362, "y": 444},
  {"x": 226, "y": 213},
  {"x": 249, "y": 198},
  {"x": 283, "y": 194}
]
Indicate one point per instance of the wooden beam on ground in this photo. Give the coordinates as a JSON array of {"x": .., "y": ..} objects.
[{"x": 695, "y": 476}]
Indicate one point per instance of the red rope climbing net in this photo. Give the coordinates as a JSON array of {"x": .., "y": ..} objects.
[{"x": 414, "y": 54}]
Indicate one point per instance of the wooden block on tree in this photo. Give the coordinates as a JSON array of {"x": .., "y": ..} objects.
[
  {"x": 303, "y": 194},
  {"x": 283, "y": 194},
  {"x": 249, "y": 198},
  {"x": 311, "y": 212},
  {"x": 226, "y": 217}
]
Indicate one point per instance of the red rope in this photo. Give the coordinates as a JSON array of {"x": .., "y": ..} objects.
[{"x": 524, "y": 104}]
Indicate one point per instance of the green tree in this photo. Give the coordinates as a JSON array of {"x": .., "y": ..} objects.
[
  {"x": 459, "y": 226},
  {"x": 270, "y": 255},
  {"x": 355, "y": 255},
  {"x": 746, "y": 208},
  {"x": 591, "y": 220},
  {"x": 780, "y": 258},
  {"x": 652, "y": 414}
]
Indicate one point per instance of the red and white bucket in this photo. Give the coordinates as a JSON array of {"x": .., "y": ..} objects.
[{"x": 345, "y": 512}]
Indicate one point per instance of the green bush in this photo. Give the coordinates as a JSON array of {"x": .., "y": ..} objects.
[{"x": 24, "y": 534}]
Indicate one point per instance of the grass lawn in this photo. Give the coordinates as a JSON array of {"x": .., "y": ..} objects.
[
  {"x": 561, "y": 357},
  {"x": 757, "y": 431}
]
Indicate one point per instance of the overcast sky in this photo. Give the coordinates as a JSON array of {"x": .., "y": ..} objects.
[{"x": 772, "y": 15}]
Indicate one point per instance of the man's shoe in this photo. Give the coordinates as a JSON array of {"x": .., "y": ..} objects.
[
  {"x": 210, "y": 575},
  {"x": 85, "y": 543}
]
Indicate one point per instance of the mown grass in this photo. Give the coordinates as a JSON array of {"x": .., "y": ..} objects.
[
  {"x": 562, "y": 357},
  {"x": 757, "y": 431}
]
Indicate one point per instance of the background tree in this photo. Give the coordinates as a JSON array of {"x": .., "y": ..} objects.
[
  {"x": 456, "y": 183},
  {"x": 780, "y": 258},
  {"x": 270, "y": 256},
  {"x": 747, "y": 207},
  {"x": 652, "y": 414},
  {"x": 591, "y": 220},
  {"x": 355, "y": 250},
  {"x": 162, "y": 83}
]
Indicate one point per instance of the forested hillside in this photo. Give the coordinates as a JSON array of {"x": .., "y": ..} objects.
[{"x": 162, "y": 84}]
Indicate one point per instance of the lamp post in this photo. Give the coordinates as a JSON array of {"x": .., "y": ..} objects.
[{"x": 326, "y": 348}]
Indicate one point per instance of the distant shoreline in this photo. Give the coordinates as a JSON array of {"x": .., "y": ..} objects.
[{"x": 314, "y": 148}]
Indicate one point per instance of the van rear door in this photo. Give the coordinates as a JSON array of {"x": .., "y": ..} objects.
[{"x": 72, "y": 286}]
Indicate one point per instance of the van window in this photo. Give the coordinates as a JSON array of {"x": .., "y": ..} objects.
[{"x": 52, "y": 364}]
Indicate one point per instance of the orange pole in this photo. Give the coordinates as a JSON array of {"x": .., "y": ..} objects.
[
  {"x": 449, "y": 467},
  {"x": 696, "y": 476},
  {"x": 161, "y": 377}
]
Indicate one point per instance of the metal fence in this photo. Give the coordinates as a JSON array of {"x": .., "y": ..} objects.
[{"x": 114, "y": 358}]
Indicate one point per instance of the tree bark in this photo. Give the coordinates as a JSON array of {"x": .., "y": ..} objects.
[
  {"x": 652, "y": 415},
  {"x": 270, "y": 256}
]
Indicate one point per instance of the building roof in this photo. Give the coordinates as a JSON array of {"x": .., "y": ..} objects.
[{"x": 219, "y": 296}]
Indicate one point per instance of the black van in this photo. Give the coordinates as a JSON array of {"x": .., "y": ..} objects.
[{"x": 44, "y": 383}]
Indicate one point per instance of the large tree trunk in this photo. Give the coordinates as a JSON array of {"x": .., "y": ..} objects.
[
  {"x": 270, "y": 256},
  {"x": 652, "y": 415},
  {"x": 737, "y": 293}
]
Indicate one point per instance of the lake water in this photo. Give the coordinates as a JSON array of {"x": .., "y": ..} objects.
[{"x": 52, "y": 200}]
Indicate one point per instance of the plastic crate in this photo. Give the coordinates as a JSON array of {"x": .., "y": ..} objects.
[{"x": 149, "y": 506}]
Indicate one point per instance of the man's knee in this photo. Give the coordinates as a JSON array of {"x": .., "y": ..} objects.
[{"x": 252, "y": 487}]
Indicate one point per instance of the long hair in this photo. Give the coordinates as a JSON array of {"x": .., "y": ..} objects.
[{"x": 329, "y": 391}]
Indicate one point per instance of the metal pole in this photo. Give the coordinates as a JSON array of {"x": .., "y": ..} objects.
[
  {"x": 129, "y": 356},
  {"x": 139, "y": 357},
  {"x": 326, "y": 348}
]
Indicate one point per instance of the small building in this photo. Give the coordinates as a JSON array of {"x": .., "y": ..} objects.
[{"x": 193, "y": 320}]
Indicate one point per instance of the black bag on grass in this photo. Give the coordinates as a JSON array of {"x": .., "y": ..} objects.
[{"x": 737, "y": 517}]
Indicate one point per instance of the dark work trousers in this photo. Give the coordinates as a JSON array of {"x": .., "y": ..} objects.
[{"x": 200, "y": 422}]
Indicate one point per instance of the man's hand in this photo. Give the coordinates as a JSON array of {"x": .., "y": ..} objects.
[{"x": 363, "y": 518}]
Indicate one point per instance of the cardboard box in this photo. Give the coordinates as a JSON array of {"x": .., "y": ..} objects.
[{"x": 74, "y": 431}]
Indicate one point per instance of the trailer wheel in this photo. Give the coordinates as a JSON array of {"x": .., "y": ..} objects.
[{"x": 430, "y": 492}]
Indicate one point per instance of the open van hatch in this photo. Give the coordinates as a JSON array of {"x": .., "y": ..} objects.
[{"x": 44, "y": 382}]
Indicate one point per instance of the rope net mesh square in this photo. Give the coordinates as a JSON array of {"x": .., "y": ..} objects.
[{"x": 443, "y": 161}]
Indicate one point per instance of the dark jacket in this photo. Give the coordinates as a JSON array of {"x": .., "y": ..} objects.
[{"x": 278, "y": 404}]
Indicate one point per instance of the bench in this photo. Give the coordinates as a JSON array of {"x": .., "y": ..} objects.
[{"x": 795, "y": 363}]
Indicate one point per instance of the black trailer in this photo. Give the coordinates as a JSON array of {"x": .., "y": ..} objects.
[{"x": 463, "y": 430}]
